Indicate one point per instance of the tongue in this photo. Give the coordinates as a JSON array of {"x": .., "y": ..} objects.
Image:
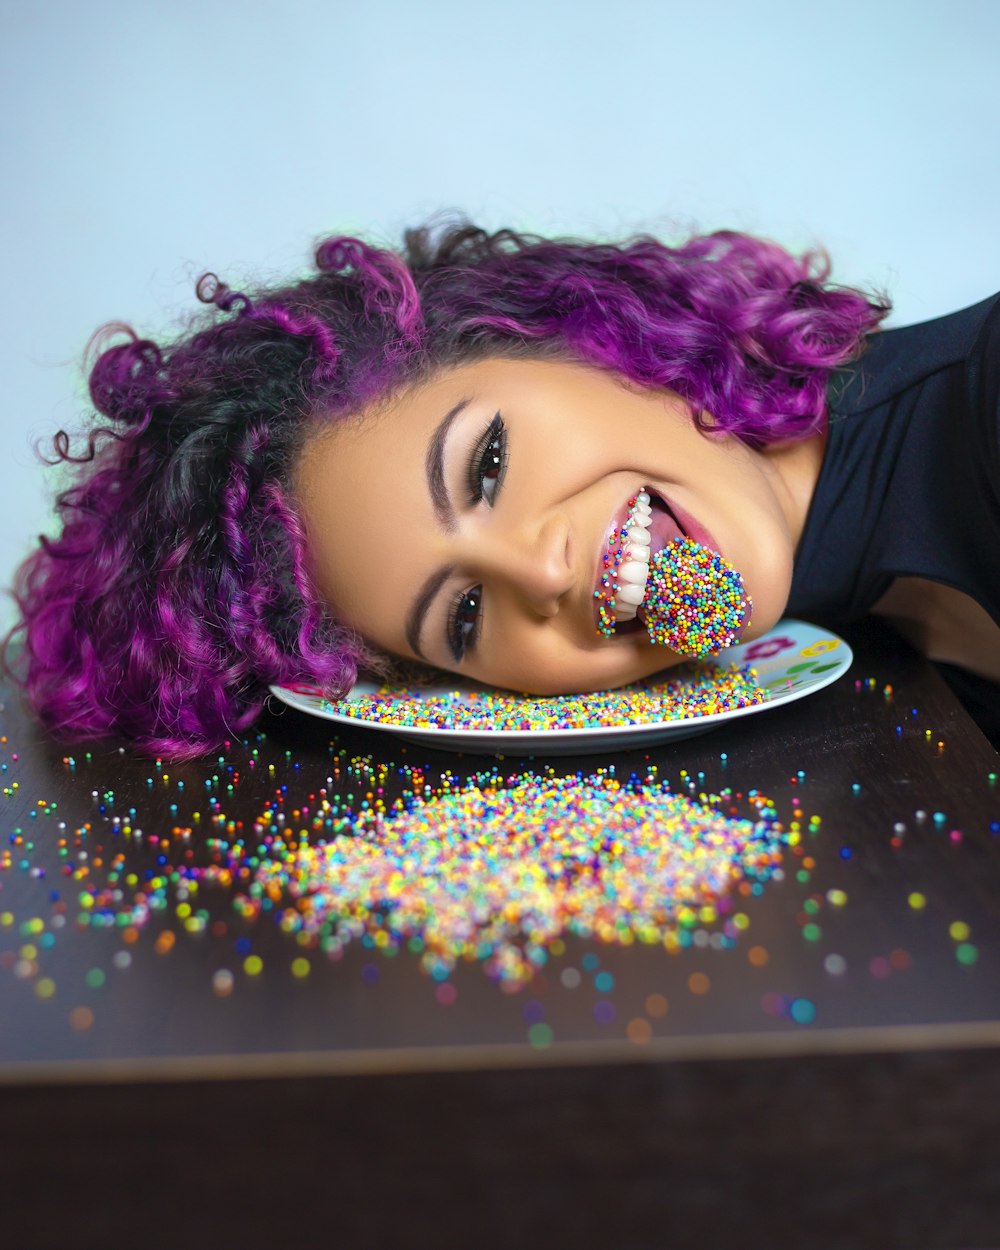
[{"x": 663, "y": 529}]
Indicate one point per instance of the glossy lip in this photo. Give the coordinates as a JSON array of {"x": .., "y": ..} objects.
[
  {"x": 611, "y": 550},
  {"x": 691, "y": 527}
]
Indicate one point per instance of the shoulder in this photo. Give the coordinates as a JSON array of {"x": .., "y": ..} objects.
[{"x": 896, "y": 359}]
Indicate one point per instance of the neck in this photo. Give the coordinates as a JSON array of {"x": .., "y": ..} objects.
[{"x": 796, "y": 467}]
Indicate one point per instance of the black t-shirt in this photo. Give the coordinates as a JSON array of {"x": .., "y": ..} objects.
[{"x": 910, "y": 483}]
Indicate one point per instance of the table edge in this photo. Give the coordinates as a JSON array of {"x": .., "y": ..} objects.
[{"x": 270, "y": 1065}]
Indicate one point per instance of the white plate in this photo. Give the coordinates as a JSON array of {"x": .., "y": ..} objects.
[{"x": 794, "y": 660}]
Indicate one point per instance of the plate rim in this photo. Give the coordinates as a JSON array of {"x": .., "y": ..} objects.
[{"x": 570, "y": 734}]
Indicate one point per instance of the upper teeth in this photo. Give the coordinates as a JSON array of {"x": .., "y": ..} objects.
[{"x": 634, "y": 568}]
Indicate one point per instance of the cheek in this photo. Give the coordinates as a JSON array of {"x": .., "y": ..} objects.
[
  {"x": 363, "y": 596},
  {"x": 769, "y": 587},
  {"x": 759, "y": 543}
]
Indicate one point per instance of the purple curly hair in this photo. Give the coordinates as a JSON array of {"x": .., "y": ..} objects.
[{"x": 179, "y": 587}]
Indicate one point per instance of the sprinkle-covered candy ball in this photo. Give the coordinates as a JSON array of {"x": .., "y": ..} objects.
[{"x": 695, "y": 603}]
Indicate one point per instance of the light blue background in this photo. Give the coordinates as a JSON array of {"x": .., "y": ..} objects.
[{"x": 145, "y": 141}]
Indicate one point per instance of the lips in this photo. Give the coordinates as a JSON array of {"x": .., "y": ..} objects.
[{"x": 664, "y": 526}]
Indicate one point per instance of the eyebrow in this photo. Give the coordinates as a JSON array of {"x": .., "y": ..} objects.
[
  {"x": 438, "y": 489},
  {"x": 416, "y": 614},
  {"x": 434, "y": 466}
]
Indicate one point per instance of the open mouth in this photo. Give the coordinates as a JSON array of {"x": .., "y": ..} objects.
[{"x": 645, "y": 526}]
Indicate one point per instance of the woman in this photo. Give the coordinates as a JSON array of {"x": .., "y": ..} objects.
[{"x": 431, "y": 456}]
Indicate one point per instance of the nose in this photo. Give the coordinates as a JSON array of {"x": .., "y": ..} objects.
[{"x": 530, "y": 560}]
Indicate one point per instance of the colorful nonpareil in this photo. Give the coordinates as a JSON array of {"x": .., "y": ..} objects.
[
  {"x": 498, "y": 869},
  {"x": 695, "y": 601},
  {"x": 701, "y": 691}
]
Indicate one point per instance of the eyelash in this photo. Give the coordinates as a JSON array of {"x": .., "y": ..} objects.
[
  {"x": 463, "y": 632},
  {"x": 487, "y": 467},
  {"x": 488, "y": 462}
]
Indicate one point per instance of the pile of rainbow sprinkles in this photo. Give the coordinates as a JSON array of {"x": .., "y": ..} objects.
[{"x": 497, "y": 870}]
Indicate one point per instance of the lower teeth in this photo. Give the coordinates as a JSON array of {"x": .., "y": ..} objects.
[{"x": 696, "y": 603}]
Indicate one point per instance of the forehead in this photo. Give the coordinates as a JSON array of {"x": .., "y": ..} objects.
[
  {"x": 412, "y": 414},
  {"x": 358, "y": 474},
  {"x": 383, "y": 447}
]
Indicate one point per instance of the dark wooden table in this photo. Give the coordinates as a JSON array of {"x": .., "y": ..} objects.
[{"x": 801, "y": 1101}]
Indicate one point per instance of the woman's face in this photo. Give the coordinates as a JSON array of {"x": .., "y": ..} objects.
[{"x": 466, "y": 523}]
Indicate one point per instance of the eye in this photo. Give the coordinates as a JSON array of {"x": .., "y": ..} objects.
[
  {"x": 488, "y": 463},
  {"x": 464, "y": 622}
]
